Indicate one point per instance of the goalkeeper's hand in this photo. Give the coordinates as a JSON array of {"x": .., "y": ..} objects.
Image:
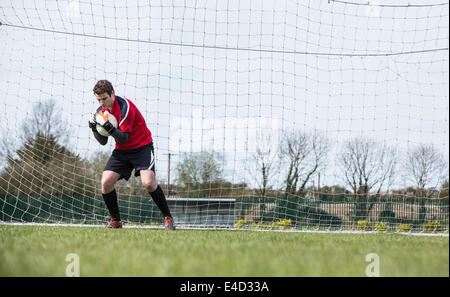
[
  {"x": 93, "y": 123},
  {"x": 109, "y": 127},
  {"x": 106, "y": 123}
]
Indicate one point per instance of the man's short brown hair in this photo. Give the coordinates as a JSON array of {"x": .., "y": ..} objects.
[{"x": 103, "y": 86}]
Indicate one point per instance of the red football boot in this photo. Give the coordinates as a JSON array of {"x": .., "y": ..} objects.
[
  {"x": 168, "y": 223},
  {"x": 114, "y": 224}
]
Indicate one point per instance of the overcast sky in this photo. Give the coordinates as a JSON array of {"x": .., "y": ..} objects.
[{"x": 216, "y": 74}]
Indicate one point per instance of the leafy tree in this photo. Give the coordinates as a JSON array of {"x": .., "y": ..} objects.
[
  {"x": 42, "y": 165},
  {"x": 334, "y": 193},
  {"x": 443, "y": 193},
  {"x": 199, "y": 173}
]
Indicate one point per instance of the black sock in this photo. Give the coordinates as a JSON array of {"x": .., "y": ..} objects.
[
  {"x": 112, "y": 205},
  {"x": 160, "y": 199}
]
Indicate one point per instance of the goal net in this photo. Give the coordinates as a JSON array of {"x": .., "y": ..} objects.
[{"x": 293, "y": 115}]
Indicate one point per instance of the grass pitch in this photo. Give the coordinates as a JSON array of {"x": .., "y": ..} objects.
[{"x": 42, "y": 251}]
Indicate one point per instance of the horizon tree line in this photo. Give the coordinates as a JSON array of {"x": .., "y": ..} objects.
[{"x": 366, "y": 167}]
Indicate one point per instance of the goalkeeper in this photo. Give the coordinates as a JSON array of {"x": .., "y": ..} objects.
[{"x": 134, "y": 150}]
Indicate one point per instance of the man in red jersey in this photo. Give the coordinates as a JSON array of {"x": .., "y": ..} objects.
[{"x": 134, "y": 150}]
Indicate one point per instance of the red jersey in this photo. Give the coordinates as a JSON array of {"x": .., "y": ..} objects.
[{"x": 130, "y": 120}]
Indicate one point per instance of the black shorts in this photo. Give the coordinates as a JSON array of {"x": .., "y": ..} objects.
[{"x": 124, "y": 161}]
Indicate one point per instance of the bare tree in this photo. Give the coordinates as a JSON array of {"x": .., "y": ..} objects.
[
  {"x": 41, "y": 129},
  {"x": 305, "y": 154},
  {"x": 320, "y": 148},
  {"x": 46, "y": 121},
  {"x": 425, "y": 167},
  {"x": 263, "y": 159},
  {"x": 44, "y": 129},
  {"x": 367, "y": 166}
]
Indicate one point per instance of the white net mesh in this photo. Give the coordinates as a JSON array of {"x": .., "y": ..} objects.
[{"x": 265, "y": 114}]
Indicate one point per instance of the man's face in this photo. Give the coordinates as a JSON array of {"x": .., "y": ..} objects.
[{"x": 105, "y": 100}]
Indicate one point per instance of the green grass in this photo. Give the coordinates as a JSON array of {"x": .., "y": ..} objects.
[{"x": 42, "y": 250}]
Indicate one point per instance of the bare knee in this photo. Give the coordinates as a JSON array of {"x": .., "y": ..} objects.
[
  {"x": 150, "y": 185},
  {"x": 149, "y": 181},
  {"x": 108, "y": 183}
]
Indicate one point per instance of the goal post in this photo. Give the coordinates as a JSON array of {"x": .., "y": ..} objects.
[{"x": 286, "y": 115}]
